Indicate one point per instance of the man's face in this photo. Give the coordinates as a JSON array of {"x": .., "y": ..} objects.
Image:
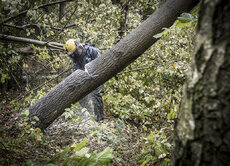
[{"x": 79, "y": 51}]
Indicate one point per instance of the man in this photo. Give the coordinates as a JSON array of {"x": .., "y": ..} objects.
[{"x": 81, "y": 55}]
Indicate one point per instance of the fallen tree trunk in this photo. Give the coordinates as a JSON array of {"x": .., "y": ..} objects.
[{"x": 80, "y": 83}]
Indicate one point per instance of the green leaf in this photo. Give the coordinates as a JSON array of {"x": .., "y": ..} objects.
[
  {"x": 38, "y": 137},
  {"x": 158, "y": 35},
  {"x": 185, "y": 18},
  {"x": 60, "y": 156},
  {"x": 27, "y": 99},
  {"x": 82, "y": 152},
  {"x": 3, "y": 78},
  {"x": 25, "y": 114},
  {"x": 181, "y": 24},
  {"x": 80, "y": 145},
  {"x": 196, "y": 10},
  {"x": 145, "y": 162},
  {"x": 105, "y": 156},
  {"x": 101, "y": 158},
  {"x": 165, "y": 32},
  {"x": 147, "y": 99}
]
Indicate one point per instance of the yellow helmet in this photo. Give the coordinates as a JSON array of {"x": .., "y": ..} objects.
[{"x": 70, "y": 46}]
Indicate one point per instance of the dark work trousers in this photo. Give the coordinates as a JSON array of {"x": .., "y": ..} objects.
[{"x": 93, "y": 103}]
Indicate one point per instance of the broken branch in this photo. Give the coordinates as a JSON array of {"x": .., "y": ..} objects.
[{"x": 32, "y": 41}]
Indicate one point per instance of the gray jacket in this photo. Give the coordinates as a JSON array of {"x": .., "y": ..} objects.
[{"x": 89, "y": 53}]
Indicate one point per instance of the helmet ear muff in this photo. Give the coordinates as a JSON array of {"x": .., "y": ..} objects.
[
  {"x": 78, "y": 45},
  {"x": 69, "y": 53}
]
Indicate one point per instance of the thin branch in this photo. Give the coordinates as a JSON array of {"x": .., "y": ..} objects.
[
  {"x": 144, "y": 68},
  {"x": 3, "y": 145},
  {"x": 60, "y": 29},
  {"x": 23, "y": 26},
  {"x": 62, "y": 10},
  {"x": 32, "y": 41},
  {"x": 36, "y": 61},
  {"x": 138, "y": 69},
  {"x": 12, "y": 74},
  {"x": 41, "y": 6},
  {"x": 13, "y": 26},
  {"x": 56, "y": 46},
  {"x": 48, "y": 65},
  {"x": 65, "y": 23}
]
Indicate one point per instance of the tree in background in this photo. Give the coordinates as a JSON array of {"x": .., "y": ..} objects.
[{"x": 203, "y": 125}]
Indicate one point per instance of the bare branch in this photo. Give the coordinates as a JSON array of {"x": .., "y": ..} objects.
[
  {"x": 145, "y": 68},
  {"x": 62, "y": 10},
  {"x": 138, "y": 69},
  {"x": 13, "y": 26},
  {"x": 31, "y": 41},
  {"x": 60, "y": 29},
  {"x": 37, "y": 26},
  {"x": 56, "y": 46},
  {"x": 24, "y": 27},
  {"x": 26, "y": 50}
]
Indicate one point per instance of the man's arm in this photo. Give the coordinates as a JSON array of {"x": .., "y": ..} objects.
[
  {"x": 94, "y": 53},
  {"x": 75, "y": 66}
]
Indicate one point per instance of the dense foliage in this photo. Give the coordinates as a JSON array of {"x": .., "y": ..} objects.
[{"x": 141, "y": 102}]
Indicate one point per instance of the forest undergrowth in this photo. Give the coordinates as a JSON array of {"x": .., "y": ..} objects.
[{"x": 131, "y": 144}]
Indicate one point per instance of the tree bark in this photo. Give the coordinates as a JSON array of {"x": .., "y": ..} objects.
[
  {"x": 203, "y": 126},
  {"x": 80, "y": 83},
  {"x": 123, "y": 19},
  {"x": 62, "y": 11}
]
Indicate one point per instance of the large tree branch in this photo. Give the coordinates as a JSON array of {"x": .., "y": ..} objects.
[
  {"x": 55, "y": 45},
  {"x": 80, "y": 83},
  {"x": 39, "y": 7},
  {"x": 32, "y": 41}
]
